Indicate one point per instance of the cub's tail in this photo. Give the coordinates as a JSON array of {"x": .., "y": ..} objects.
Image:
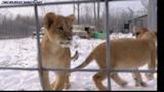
[{"x": 86, "y": 62}]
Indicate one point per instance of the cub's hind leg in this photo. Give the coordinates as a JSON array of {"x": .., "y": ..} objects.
[
  {"x": 118, "y": 80},
  {"x": 98, "y": 80},
  {"x": 138, "y": 80}
]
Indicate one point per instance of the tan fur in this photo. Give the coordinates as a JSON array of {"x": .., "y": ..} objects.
[
  {"x": 55, "y": 54},
  {"x": 126, "y": 53},
  {"x": 140, "y": 34}
]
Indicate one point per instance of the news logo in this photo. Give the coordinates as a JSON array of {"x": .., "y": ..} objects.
[{"x": 20, "y": 2}]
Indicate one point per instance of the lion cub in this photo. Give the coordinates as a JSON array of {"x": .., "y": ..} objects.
[
  {"x": 54, "y": 49},
  {"x": 126, "y": 53}
]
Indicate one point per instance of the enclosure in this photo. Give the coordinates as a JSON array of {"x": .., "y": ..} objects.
[{"x": 20, "y": 53}]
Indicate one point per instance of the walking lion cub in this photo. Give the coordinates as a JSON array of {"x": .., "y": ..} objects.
[
  {"x": 126, "y": 53},
  {"x": 55, "y": 52}
]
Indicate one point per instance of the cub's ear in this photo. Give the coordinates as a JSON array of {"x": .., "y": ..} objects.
[
  {"x": 71, "y": 18},
  {"x": 48, "y": 19}
]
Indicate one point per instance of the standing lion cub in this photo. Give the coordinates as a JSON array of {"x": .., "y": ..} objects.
[
  {"x": 126, "y": 53},
  {"x": 55, "y": 52}
]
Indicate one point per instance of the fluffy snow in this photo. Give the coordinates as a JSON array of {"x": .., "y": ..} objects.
[{"x": 23, "y": 53}]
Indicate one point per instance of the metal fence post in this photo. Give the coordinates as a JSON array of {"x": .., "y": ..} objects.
[
  {"x": 98, "y": 16},
  {"x": 38, "y": 45},
  {"x": 108, "y": 44},
  {"x": 94, "y": 9},
  {"x": 152, "y": 15},
  {"x": 78, "y": 13}
]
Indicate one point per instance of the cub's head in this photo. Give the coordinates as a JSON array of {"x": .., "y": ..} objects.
[
  {"x": 58, "y": 28},
  {"x": 144, "y": 33}
]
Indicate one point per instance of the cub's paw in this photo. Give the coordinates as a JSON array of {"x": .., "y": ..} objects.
[
  {"x": 67, "y": 85},
  {"x": 52, "y": 85},
  {"x": 141, "y": 84},
  {"x": 124, "y": 84},
  {"x": 149, "y": 76}
]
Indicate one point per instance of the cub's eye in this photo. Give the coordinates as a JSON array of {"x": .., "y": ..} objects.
[
  {"x": 60, "y": 29},
  {"x": 137, "y": 33},
  {"x": 71, "y": 28}
]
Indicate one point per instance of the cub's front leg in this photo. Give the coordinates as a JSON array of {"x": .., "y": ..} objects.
[
  {"x": 46, "y": 83},
  {"x": 59, "y": 83}
]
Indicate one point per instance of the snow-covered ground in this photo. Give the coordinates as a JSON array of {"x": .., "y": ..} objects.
[{"x": 23, "y": 53}]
